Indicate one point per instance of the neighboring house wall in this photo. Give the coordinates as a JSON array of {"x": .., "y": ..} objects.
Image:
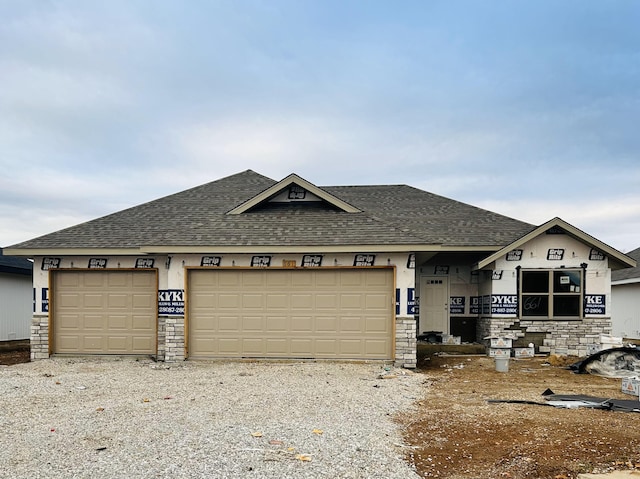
[
  {"x": 625, "y": 310},
  {"x": 16, "y": 300},
  {"x": 625, "y": 292}
]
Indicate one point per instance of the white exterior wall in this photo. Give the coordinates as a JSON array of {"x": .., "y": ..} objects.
[
  {"x": 173, "y": 278},
  {"x": 625, "y": 310},
  {"x": 16, "y": 305},
  {"x": 534, "y": 256}
]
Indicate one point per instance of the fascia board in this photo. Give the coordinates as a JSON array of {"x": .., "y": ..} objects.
[
  {"x": 31, "y": 252},
  {"x": 348, "y": 248},
  {"x": 573, "y": 231}
]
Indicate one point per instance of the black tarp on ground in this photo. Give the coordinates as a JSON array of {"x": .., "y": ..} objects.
[{"x": 570, "y": 401}]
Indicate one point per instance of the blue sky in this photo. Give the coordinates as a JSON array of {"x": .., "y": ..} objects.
[{"x": 529, "y": 109}]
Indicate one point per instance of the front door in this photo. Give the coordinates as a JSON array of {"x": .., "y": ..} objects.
[{"x": 434, "y": 304}]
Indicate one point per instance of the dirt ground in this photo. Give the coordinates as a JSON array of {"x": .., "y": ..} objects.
[
  {"x": 457, "y": 434},
  {"x": 8, "y": 358}
]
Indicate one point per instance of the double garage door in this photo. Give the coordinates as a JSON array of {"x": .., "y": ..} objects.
[{"x": 310, "y": 313}]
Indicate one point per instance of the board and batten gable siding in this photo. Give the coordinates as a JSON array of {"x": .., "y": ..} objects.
[{"x": 16, "y": 305}]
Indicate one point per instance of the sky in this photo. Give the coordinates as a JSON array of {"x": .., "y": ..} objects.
[{"x": 529, "y": 109}]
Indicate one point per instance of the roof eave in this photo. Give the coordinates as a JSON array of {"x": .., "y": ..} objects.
[
  {"x": 342, "y": 248},
  {"x": 620, "y": 260},
  {"x": 88, "y": 251}
]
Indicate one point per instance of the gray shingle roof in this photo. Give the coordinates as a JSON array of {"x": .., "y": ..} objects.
[
  {"x": 15, "y": 265},
  {"x": 391, "y": 215},
  {"x": 628, "y": 273}
]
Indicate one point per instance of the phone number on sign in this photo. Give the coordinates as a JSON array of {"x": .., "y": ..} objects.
[{"x": 171, "y": 309}]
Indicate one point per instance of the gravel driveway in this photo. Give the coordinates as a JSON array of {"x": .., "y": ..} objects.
[{"x": 125, "y": 418}]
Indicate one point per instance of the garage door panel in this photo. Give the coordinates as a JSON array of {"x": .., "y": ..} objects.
[
  {"x": 142, "y": 301},
  {"x": 350, "y": 347},
  {"x": 92, "y": 322},
  {"x": 302, "y": 347},
  {"x": 352, "y": 278},
  {"x": 376, "y": 302},
  {"x": 277, "y": 301},
  {"x": 68, "y": 342},
  {"x": 68, "y": 321},
  {"x": 117, "y": 343},
  {"x": 204, "y": 344},
  {"x": 302, "y": 324},
  {"x": 327, "y": 324},
  {"x": 68, "y": 280},
  {"x": 205, "y": 325},
  {"x": 252, "y": 324},
  {"x": 230, "y": 301},
  {"x": 117, "y": 322},
  {"x": 229, "y": 346},
  {"x": 94, "y": 301},
  {"x": 278, "y": 279},
  {"x": 68, "y": 300},
  {"x": 118, "y": 280},
  {"x": 276, "y": 347},
  {"x": 229, "y": 324},
  {"x": 253, "y": 347},
  {"x": 351, "y": 324},
  {"x": 230, "y": 280},
  {"x": 253, "y": 301},
  {"x": 142, "y": 343},
  {"x": 303, "y": 279},
  {"x": 96, "y": 280},
  {"x": 277, "y": 324},
  {"x": 204, "y": 301},
  {"x": 258, "y": 279},
  {"x": 104, "y": 312},
  {"x": 142, "y": 323},
  {"x": 326, "y": 347},
  {"x": 94, "y": 344},
  {"x": 376, "y": 325},
  {"x": 327, "y": 301},
  {"x": 144, "y": 281},
  {"x": 351, "y": 301},
  {"x": 291, "y": 313},
  {"x": 302, "y": 301},
  {"x": 328, "y": 279},
  {"x": 117, "y": 301},
  {"x": 375, "y": 347}
]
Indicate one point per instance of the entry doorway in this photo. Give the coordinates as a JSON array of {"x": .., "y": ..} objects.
[{"x": 434, "y": 304}]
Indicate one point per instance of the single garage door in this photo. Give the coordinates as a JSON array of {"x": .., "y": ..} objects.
[
  {"x": 104, "y": 312},
  {"x": 311, "y": 313}
]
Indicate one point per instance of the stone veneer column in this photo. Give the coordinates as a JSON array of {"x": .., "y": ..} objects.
[
  {"x": 406, "y": 343},
  {"x": 174, "y": 339},
  {"x": 39, "y": 337}
]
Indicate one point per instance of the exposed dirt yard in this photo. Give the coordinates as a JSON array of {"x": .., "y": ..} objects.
[
  {"x": 458, "y": 434},
  {"x": 8, "y": 358}
]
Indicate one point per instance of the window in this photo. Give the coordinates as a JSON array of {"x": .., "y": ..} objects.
[{"x": 551, "y": 293}]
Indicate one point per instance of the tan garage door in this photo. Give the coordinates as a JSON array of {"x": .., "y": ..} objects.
[
  {"x": 104, "y": 312},
  {"x": 337, "y": 313}
]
